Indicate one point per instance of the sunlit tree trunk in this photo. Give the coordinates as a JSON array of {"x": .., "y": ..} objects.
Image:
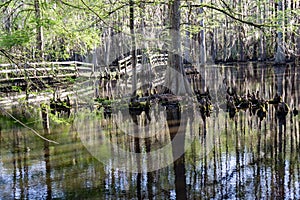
[
  {"x": 241, "y": 35},
  {"x": 297, "y": 6},
  {"x": 224, "y": 57},
  {"x": 187, "y": 35},
  {"x": 39, "y": 31},
  {"x": 262, "y": 49},
  {"x": 175, "y": 74},
  {"x": 108, "y": 47},
  {"x": 144, "y": 59},
  {"x": 280, "y": 56},
  {"x": 270, "y": 38},
  {"x": 133, "y": 45},
  {"x": 214, "y": 40},
  {"x": 202, "y": 39}
]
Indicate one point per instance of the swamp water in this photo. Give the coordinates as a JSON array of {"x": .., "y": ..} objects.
[{"x": 224, "y": 158}]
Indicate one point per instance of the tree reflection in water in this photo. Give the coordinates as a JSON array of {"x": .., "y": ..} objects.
[
  {"x": 249, "y": 159},
  {"x": 175, "y": 129},
  {"x": 46, "y": 128}
]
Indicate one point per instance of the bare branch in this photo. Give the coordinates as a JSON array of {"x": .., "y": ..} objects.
[
  {"x": 71, "y": 5},
  {"x": 90, "y": 9},
  {"x": 231, "y": 15},
  {"x": 31, "y": 129}
]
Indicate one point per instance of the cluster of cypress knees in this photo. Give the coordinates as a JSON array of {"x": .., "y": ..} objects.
[
  {"x": 234, "y": 103},
  {"x": 252, "y": 101},
  {"x": 58, "y": 106},
  {"x": 256, "y": 104}
]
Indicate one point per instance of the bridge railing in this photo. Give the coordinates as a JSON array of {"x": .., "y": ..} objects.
[
  {"x": 44, "y": 70},
  {"x": 125, "y": 64},
  {"x": 155, "y": 60},
  {"x": 158, "y": 59}
]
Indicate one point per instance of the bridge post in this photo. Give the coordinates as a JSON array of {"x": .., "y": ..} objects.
[
  {"x": 6, "y": 75},
  {"x": 75, "y": 67},
  {"x": 125, "y": 65}
]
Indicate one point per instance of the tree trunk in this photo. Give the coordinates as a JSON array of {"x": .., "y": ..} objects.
[
  {"x": 175, "y": 80},
  {"x": 297, "y": 6},
  {"x": 133, "y": 46},
  {"x": 108, "y": 47},
  {"x": 214, "y": 40},
  {"x": 187, "y": 48},
  {"x": 241, "y": 35},
  {"x": 262, "y": 38},
  {"x": 280, "y": 56},
  {"x": 202, "y": 39},
  {"x": 39, "y": 31},
  {"x": 175, "y": 59},
  {"x": 225, "y": 40},
  {"x": 7, "y": 19}
]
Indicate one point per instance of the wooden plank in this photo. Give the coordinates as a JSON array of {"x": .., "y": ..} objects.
[
  {"x": 84, "y": 68},
  {"x": 39, "y": 77},
  {"x": 6, "y": 65},
  {"x": 49, "y": 63},
  {"x": 27, "y": 70}
]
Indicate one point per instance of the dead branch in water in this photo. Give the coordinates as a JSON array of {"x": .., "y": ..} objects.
[{"x": 31, "y": 129}]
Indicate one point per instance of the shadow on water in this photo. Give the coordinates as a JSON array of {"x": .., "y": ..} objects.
[{"x": 243, "y": 157}]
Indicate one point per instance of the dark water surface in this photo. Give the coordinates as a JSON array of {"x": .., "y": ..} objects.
[{"x": 243, "y": 157}]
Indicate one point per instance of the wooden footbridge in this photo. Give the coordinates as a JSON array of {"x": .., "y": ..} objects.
[{"x": 49, "y": 72}]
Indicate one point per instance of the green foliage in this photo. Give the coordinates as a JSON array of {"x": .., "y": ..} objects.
[
  {"x": 59, "y": 120},
  {"x": 16, "y": 38},
  {"x": 16, "y": 88},
  {"x": 70, "y": 79}
]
